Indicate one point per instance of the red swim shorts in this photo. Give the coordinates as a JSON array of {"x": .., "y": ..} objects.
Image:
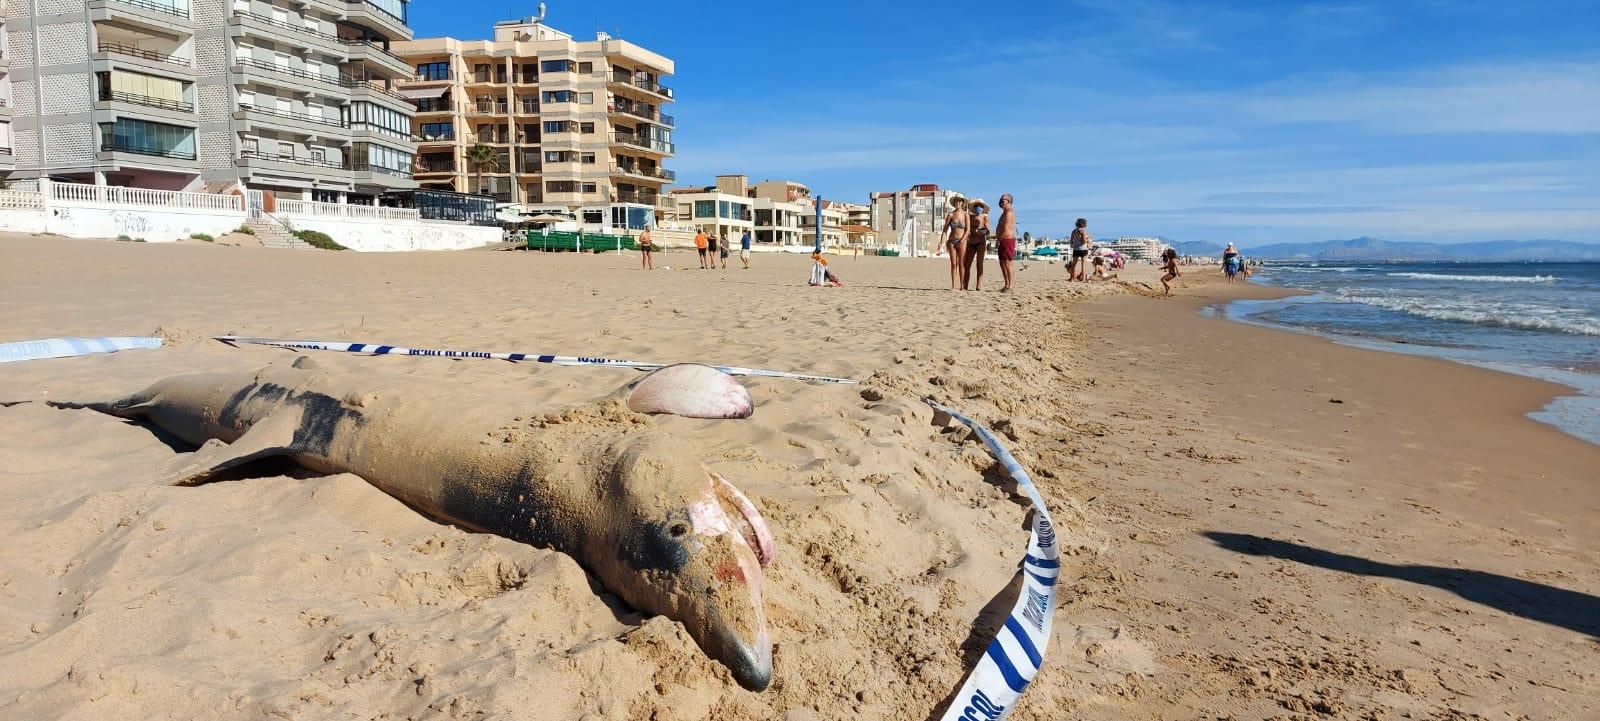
[{"x": 1006, "y": 248}]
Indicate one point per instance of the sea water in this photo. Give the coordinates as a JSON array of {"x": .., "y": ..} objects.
[{"x": 1535, "y": 319}]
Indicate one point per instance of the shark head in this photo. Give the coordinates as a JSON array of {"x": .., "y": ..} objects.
[{"x": 688, "y": 545}]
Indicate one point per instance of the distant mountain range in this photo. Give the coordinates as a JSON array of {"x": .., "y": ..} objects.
[{"x": 1372, "y": 249}]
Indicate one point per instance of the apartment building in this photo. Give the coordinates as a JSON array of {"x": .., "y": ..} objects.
[
  {"x": 724, "y": 209},
  {"x": 1138, "y": 248},
  {"x": 782, "y": 209},
  {"x": 572, "y": 126},
  {"x": 917, "y": 213},
  {"x": 6, "y": 147},
  {"x": 293, "y": 96}
]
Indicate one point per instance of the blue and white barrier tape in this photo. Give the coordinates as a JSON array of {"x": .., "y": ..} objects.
[
  {"x": 378, "y": 349},
  {"x": 67, "y": 347},
  {"x": 1017, "y": 651}
]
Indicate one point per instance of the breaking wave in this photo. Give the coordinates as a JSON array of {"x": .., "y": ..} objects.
[
  {"x": 1479, "y": 278},
  {"x": 1504, "y": 315}
]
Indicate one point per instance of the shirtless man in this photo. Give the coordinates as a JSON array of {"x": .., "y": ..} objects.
[{"x": 1005, "y": 232}]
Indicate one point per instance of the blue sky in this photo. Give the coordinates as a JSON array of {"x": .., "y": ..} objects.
[{"x": 1254, "y": 122}]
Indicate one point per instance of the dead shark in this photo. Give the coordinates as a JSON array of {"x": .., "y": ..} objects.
[{"x": 595, "y": 482}]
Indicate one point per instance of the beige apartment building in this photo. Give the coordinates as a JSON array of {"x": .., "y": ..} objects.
[
  {"x": 293, "y": 96},
  {"x": 575, "y": 126}
]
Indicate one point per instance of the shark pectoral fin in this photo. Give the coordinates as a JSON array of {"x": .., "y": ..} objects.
[
  {"x": 689, "y": 390},
  {"x": 266, "y": 439}
]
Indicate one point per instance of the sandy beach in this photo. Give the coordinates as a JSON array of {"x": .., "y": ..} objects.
[{"x": 1258, "y": 524}]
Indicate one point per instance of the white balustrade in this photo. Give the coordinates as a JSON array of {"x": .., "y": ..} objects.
[
  {"x": 311, "y": 209},
  {"x": 145, "y": 197}
]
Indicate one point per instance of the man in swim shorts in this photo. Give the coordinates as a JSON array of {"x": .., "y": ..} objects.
[
  {"x": 744, "y": 249},
  {"x": 1006, "y": 240},
  {"x": 701, "y": 242}
]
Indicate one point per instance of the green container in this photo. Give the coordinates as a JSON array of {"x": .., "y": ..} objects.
[{"x": 889, "y": 252}]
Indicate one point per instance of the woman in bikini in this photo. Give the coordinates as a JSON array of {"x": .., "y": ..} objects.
[
  {"x": 646, "y": 246},
  {"x": 955, "y": 236},
  {"x": 1169, "y": 263},
  {"x": 977, "y": 244}
]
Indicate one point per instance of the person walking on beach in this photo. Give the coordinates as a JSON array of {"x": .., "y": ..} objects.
[
  {"x": 955, "y": 237},
  {"x": 1078, "y": 267},
  {"x": 977, "y": 244},
  {"x": 1169, "y": 264},
  {"x": 1230, "y": 262},
  {"x": 744, "y": 249},
  {"x": 646, "y": 246},
  {"x": 701, "y": 241},
  {"x": 1005, "y": 233},
  {"x": 722, "y": 249}
]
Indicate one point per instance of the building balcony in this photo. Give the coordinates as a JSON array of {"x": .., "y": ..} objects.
[
  {"x": 378, "y": 58},
  {"x": 161, "y": 61},
  {"x": 6, "y": 158},
  {"x": 641, "y": 172},
  {"x": 391, "y": 178},
  {"x": 153, "y": 15},
  {"x": 377, "y": 17},
  {"x": 364, "y": 90},
  {"x": 435, "y": 106},
  {"x": 292, "y": 79},
  {"x": 111, "y": 149},
  {"x": 635, "y": 141},
  {"x": 292, "y": 166},
  {"x": 243, "y": 23},
  {"x": 434, "y": 139},
  {"x": 488, "y": 109},
  {"x": 305, "y": 124},
  {"x": 628, "y": 80},
  {"x": 640, "y": 197},
  {"x": 667, "y": 120},
  {"x": 430, "y": 80},
  {"x": 637, "y": 110},
  {"x": 428, "y": 167},
  {"x": 143, "y": 106}
]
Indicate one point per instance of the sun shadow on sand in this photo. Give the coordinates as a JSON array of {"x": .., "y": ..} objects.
[
  {"x": 1556, "y": 606},
  {"x": 984, "y": 628}
]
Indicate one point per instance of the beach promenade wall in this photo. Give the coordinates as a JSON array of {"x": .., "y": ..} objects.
[{"x": 161, "y": 216}]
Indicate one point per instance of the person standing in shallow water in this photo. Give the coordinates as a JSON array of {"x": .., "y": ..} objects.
[
  {"x": 977, "y": 244},
  {"x": 1005, "y": 233},
  {"x": 955, "y": 236}
]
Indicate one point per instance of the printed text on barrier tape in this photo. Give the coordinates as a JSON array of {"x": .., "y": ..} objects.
[
  {"x": 68, "y": 347},
  {"x": 1017, "y": 651},
  {"x": 380, "y": 349}
]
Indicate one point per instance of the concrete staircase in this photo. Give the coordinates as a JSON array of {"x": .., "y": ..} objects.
[{"x": 273, "y": 235}]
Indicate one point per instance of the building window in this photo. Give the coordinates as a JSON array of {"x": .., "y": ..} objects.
[
  {"x": 558, "y": 156},
  {"x": 250, "y": 144},
  {"x": 438, "y": 131},
  {"x": 556, "y": 66},
  {"x": 480, "y": 73},
  {"x": 705, "y": 208},
  {"x": 586, "y": 128},
  {"x": 586, "y": 158},
  {"x": 318, "y": 154},
  {"x": 561, "y": 186},
  {"x": 530, "y": 73},
  {"x": 144, "y": 137},
  {"x": 586, "y": 98},
  {"x": 558, "y": 96},
  {"x": 558, "y": 126},
  {"x": 433, "y": 71},
  {"x": 585, "y": 67},
  {"x": 589, "y": 187},
  {"x": 594, "y": 217},
  {"x": 378, "y": 118}
]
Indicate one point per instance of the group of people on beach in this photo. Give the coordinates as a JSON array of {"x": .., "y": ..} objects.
[
  {"x": 710, "y": 249},
  {"x": 966, "y": 236}
]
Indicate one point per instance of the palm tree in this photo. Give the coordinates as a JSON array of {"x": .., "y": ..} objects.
[{"x": 481, "y": 156}]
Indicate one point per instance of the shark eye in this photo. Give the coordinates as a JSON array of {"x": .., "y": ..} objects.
[{"x": 678, "y": 530}]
